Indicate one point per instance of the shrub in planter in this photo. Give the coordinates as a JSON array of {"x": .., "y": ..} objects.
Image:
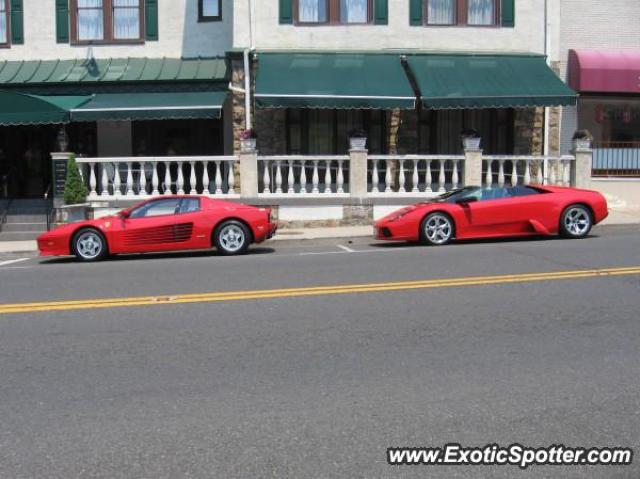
[
  {"x": 582, "y": 139},
  {"x": 74, "y": 189},
  {"x": 470, "y": 139},
  {"x": 357, "y": 139},
  {"x": 248, "y": 140}
]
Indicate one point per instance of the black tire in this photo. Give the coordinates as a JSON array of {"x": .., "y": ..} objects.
[
  {"x": 89, "y": 245},
  {"x": 576, "y": 221},
  {"x": 232, "y": 237},
  {"x": 437, "y": 229}
]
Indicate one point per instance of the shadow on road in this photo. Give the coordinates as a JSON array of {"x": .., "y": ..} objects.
[
  {"x": 149, "y": 256},
  {"x": 525, "y": 239}
]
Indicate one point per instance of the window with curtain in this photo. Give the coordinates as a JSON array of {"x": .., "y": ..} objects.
[
  {"x": 209, "y": 10},
  {"x": 90, "y": 20},
  {"x": 441, "y": 12},
  {"x": 3, "y": 22},
  {"x": 126, "y": 19},
  {"x": 354, "y": 11},
  {"x": 481, "y": 12},
  {"x": 312, "y": 11}
]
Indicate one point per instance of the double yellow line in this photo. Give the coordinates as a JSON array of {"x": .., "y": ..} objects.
[{"x": 311, "y": 291}]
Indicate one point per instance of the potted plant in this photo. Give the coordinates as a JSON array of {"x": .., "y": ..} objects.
[
  {"x": 75, "y": 193},
  {"x": 248, "y": 140},
  {"x": 582, "y": 139},
  {"x": 357, "y": 139},
  {"x": 470, "y": 139}
]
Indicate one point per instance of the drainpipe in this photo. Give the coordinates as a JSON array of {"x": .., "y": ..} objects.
[
  {"x": 247, "y": 70},
  {"x": 547, "y": 52}
]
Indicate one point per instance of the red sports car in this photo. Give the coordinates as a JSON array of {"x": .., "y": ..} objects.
[
  {"x": 476, "y": 212},
  {"x": 163, "y": 224}
]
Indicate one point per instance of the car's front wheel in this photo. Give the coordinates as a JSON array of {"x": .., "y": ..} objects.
[
  {"x": 89, "y": 245},
  {"x": 437, "y": 229},
  {"x": 232, "y": 237},
  {"x": 576, "y": 221}
]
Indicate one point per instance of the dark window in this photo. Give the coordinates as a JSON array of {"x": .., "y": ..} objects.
[
  {"x": 335, "y": 12},
  {"x": 461, "y": 12},
  {"x": 107, "y": 21},
  {"x": 4, "y": 22},
  {"x": 209, "y": 10},
  {"x": 326, "y": 132},
  {"x": 190, "y": 205},
  {"x": 157, "y": 208}
]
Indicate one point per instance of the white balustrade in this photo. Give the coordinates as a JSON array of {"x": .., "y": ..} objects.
[
  {"x": 527, "y": 170},
  {"x": 328, "y": 175},
  {"x": 143, "y": 177},
  {"x": 411, "y": 175}
]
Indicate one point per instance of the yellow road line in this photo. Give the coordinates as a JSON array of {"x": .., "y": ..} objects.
[{"x": 311, "y": 291}]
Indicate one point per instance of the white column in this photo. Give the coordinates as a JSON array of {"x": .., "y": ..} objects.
[
  {"x": 290, "y": 179},
  {"x": 92, "y": 181},
  {"x": 303, "y": 176},
  {"x": 501, "y": 173},
  {"x": 327, "y": 177},
  {"x": 167, "y": 177},
  {"x": 455, "y": 178},
  {"x": 428, "y": 179},
  {"x": 387, "y": 176},
  {"x": 539, "y": 174},
  {"x": 104, "y": 182},
  {"x": 192, "y": 178},
  {"x": 180, "y": 180},
  {"x": 441, "y": 178},
  {"x": 231, "y": 179},
  {"x": 415, "y": 179},
  {"x": 488, "y": 177},
  {"x": 527, "y": 172},
  {"x": 143, "y": 180},
  {"x": 514, "y": 173},
  {"x": 375, "y": 179},
  {"x": 315, "y": 180},
  {"x": 218, "y": 179},
  {"x": 154, "y": 179},
  {"x": 205, "y": 178},
  {"x": 278, "y": 177},
  {"x": 581, "y": 167},
  {"x": 266, "y": 178},
  {"x": 340, "y": 178},
  {"x": 401, "y": 178}
]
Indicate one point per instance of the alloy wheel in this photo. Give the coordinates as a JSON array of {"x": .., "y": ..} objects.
[
  {"x": 232, "y": 238},
  {"x": 438, "y": 229},
  {"x": 577, "y": 221},
  {"x": 89, "y": 245}
]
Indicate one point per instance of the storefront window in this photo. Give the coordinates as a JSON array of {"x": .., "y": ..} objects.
[{"x": 613, "y": 122}]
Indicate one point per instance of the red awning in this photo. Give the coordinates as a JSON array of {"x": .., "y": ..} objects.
[{"x": 605, "y": 71}]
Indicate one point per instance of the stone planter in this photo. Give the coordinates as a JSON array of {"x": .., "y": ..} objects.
[
  {"x": 248, "y": 144},
  {"x": 357, "y": 143},
  {"x": 582, "y": 144},
  {"x": 471, "y": 143}
]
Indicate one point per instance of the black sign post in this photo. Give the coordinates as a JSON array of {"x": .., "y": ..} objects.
[{"x": 59, "y": 172}]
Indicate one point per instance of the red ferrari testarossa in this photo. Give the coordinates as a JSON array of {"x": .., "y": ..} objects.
[
  {"x": 163, "y": 224},
  {"x": 476, "y": 212}
]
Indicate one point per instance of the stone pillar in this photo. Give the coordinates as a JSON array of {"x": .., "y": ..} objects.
[
  {"x": 358, "y": 173},
  {"x": 472, "y": 172},
  {"x": 248, "y": 173},
  {"x": 581, "y": 172}
]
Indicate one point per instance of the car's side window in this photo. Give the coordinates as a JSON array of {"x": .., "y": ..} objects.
[
  {"x": 190, "y": 205},
  {"x": 494, "y": 194},
  {"x": 522, "y": 191},
  {"x": 156, "y": 208}
]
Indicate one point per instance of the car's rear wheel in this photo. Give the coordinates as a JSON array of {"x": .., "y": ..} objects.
[
  {"x": 89, "y": 245},
  {"x": 576, "y": 221},
  {"x": 436, "y": 229},
  {"x": 232, "y": 237}
]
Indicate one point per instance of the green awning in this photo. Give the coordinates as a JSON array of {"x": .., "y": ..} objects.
[
  {"x": 23, "y": 109},
  {"x": 151, "y": 106},
  {"x": 488, "y": 81},
  {"x": 111, "y": 70},
  {"x": 332, "y": 80}
]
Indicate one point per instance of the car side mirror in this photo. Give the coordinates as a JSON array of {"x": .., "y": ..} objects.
[
  {"x": 466, "y": 201},
  {"x": 124, "y": 214}
]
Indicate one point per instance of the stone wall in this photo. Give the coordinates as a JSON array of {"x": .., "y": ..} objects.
[{"x": 528, "y": 131}]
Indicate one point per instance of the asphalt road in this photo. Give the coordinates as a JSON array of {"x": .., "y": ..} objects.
[{"x": 320, "y": 386}]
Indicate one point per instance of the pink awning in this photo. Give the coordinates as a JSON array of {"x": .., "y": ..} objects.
[{"x": 605, "y": 71}]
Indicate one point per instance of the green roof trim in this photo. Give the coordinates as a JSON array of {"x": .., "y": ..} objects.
[
  {"x": 22, "y": 109},
  {"x": 332, "y": 80},
  {"x": 488, "y": 81},
  {"x": 116, "y": 70},
  {"x": 151, "y": 106}
]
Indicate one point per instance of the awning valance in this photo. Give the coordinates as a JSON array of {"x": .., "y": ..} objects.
[
  {"x": 151, "y": 106},
  {"x": 22, "y": 109},
  {"x": 332, "y": 80},
  {"x": 487, "y": 81},
  {"x": 605, "y": 71}
]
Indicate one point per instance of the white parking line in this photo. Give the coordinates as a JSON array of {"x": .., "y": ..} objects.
[
  {"x": 346, "y": 248},
  {"x": 12, "y": 261}
]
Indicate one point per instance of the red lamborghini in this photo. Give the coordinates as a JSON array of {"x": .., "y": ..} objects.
[
  {"x": 163, "y": 224},
  {"x": 476, "y": 212}
]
